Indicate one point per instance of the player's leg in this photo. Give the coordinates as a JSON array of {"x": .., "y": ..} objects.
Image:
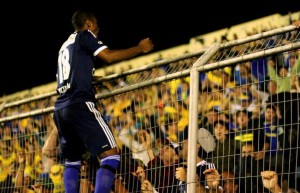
[
  {"x": 106, "y": 173},
  {"x": 71, "y": 176},
  {"x": 100, "y": 141},
  {"x": 71, "y": 148}
]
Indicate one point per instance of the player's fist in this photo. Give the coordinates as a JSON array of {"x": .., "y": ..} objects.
[{"x": 146, "y": 45}]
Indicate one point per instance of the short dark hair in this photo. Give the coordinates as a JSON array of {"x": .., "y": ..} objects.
[
  {"x": 221, "y": 122},
  {"x": 271, "y": 106},
  {"x": 79, "y": 18},
  {"x": 245, "y": 111}
]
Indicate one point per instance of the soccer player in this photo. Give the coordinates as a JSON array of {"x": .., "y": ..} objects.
[{"x": 80, "y": 124}]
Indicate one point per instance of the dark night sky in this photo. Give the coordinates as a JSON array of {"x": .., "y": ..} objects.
[{"x": 32, "y": 33}]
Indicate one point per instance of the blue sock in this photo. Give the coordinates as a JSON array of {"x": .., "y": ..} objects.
[
  {"x": 71, "y": 177},
  {"x": 106, "y": 174}
]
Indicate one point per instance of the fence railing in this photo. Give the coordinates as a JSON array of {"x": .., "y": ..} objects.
[{"x": 178, "y": 106}]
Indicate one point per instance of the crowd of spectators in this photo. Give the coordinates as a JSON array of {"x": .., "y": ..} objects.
[{"x": 253, "y": 116}]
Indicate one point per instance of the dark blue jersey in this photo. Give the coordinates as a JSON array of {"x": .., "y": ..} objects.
[{"x": 75, "y": 68}]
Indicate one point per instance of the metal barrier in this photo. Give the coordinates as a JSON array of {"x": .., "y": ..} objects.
[{"x": 169, "y": 114}]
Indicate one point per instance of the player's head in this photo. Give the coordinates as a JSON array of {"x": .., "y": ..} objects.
[{"x": 83, "y": 20}]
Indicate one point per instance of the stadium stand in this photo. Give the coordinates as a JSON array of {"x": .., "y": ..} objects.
[{"x": 148, "y": 106}]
